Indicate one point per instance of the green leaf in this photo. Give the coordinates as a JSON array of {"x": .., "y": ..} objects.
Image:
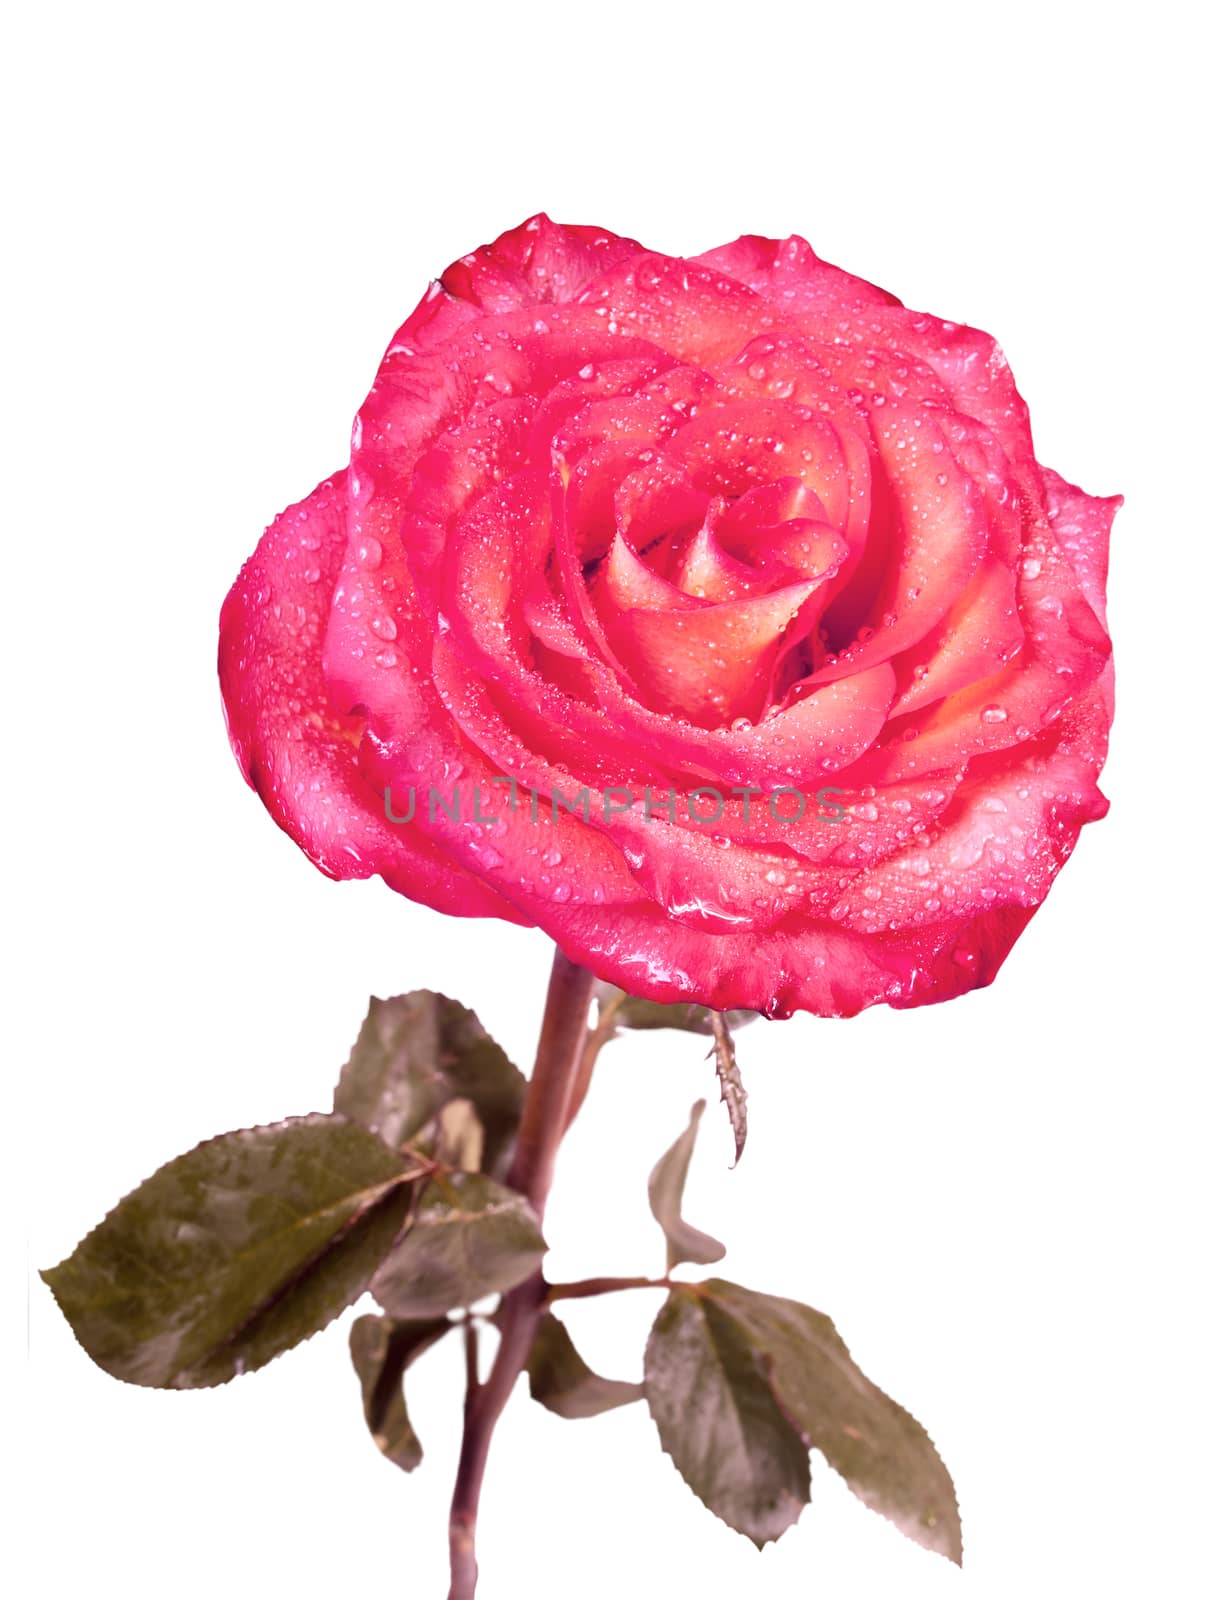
[
  {"x": 233, "y": 1253},
  {"x": 666, "y": 1185},
  {"x": 719, "y": 1420},
  {"x": 884, "y": 1455},
  {"x": 382, "y": 1350},
  {"x": 561, "y": 1381},
  {"x": 469, "y": 1237},
  {"x": 733, "y": 1094},
  {"x": 633, "y": 1012},
  {"x": 414, "y": 1055}
]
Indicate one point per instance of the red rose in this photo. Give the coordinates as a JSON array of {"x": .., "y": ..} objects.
[{"x": 713, "y": 615}]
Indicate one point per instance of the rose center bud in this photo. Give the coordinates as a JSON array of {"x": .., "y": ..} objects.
[{"x": 709, "y": 603}]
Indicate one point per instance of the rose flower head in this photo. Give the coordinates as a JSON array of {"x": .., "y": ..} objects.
[{"x": 712, "y": 615}]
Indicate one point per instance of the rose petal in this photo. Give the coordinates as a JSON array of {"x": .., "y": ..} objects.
[
  {"x": 681, "y": 306},
  {"x": 789, "y": 274},
  {"x": 1082, "y": 523},
  {"x": 539, "y": 263},
  {"x": 713, "y": 663},
  {"x": 298, "y": 754}
]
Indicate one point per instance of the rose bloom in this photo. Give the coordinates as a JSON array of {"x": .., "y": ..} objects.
[{"x": 711, "y": 614}]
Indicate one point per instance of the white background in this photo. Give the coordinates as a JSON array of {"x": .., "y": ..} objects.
[{"x": 221, "y": 215}]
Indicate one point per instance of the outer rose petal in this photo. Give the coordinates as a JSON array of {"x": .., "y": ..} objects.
[
  {"x": 789, "y": 273},
  {"x": 689, "y": 310},
  {"x": 296, "y": 752},
  {"x": 795, "y": 965},
  {"x": 1082, "y": 523},
  {"x": 540, "y": 263},
  {"x": 834, "y": 307}
]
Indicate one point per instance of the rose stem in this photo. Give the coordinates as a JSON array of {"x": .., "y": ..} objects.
[
  {"x": 586, "y": 1288},
  {"x": 558, "y": 1061}
]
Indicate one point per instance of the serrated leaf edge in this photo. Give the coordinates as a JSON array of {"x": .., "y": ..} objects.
[
  {"x": 694, "y": 1290},
  {"x": 368, "y": 1199}
]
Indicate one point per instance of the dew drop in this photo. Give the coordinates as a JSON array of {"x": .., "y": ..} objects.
[{"x": 994, "y": 714}]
